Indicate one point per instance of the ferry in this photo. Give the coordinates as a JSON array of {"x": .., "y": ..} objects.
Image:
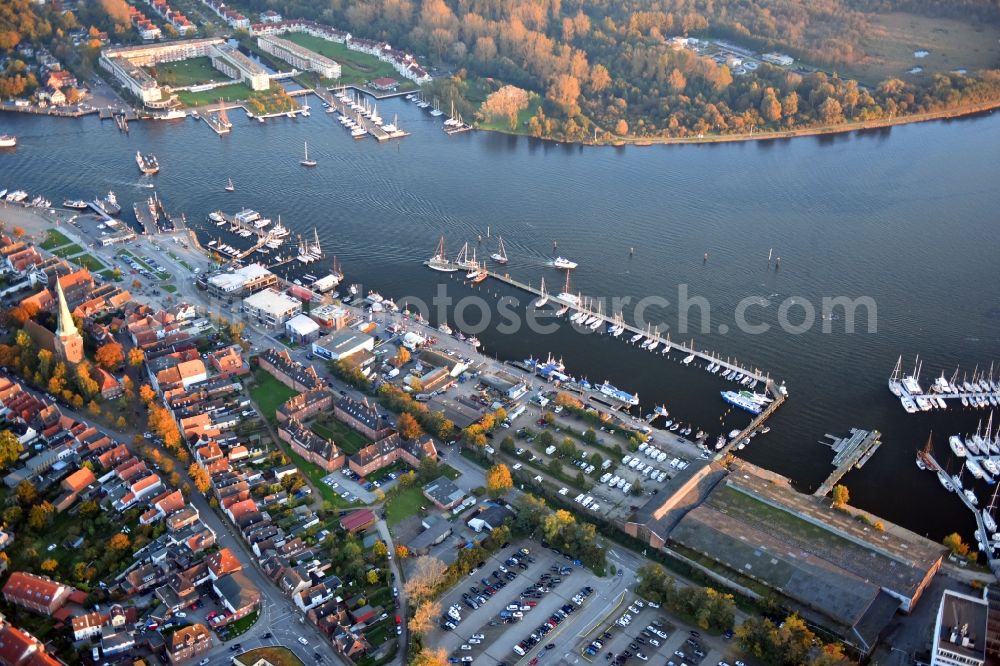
[
  {"x": 612, "y": 391},
  {"x": 76, "y": 204},
  {"x": 148, "y": 164},
  {"x": 742, "y": 401},
  {"x": 8, "y": 140}
]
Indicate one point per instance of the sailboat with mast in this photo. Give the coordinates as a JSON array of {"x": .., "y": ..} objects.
[
  {"x": 500, "y": 256},
  {"x": 544, "y": 298},
  {"x": 306, "y": 162},
  {"x": 895, "y": 387},
  {"x": 230, "y": 187},
  {"x": 439, "y": 262},
  {"x": 988, "y": 521}
]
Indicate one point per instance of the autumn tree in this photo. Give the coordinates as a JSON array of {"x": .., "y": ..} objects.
[
  {"x": 25, "y": 492},
  {"x": 430, "y": 657},
  {"x": 49, "y": 565},
  {"x": 498, "y": 480},
  {"x": 954, "y": 543},
  {"x": 408, "y": 427},
  {"x": 402, "y": 357},
  {"x": 119, "y": 543},
  {"x": 564, "y": 93},
  {"x": 379, "y": 549},
  {"x": 136, "y": 356},
  {"x": 506, "y": 103},
  {"x": 10, "y": 448},
  {"x": 40, "y": 516},
  {"x": 372, "y": 576},
  {"x": 424, "y": 617},
  {"x": 428, "y": 573},
  {"x": 200, "y": 478},
  {"x": 840, "y": 496},
  {"x": 147, "y": 394},
  {"x": 402, "y": 552},
  {"x": 109, "y": 356}
]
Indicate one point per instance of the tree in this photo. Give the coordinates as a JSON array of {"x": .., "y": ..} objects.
[
  {"x": 119, "y": 543},
  {"x": 200, "y": 478},
  {"x": 372, "y": 576},
  {"x": 379, "y": 549},
  {"x": 428, "y": 573},
  {"x": 49, "y": 565},
  {"x": 840, "y": 496},
  {"x": 18, "y": 232},
  {"x": 109, "y": 356},
  {"x": 621, "y": 127},
  {"x": 507, "y": 103},
  {"x": 564, "y": 93},
  {"x": 136, "y": 356},
  {"x": 424, "y": 617},
  {"x": 402, "y": 357},
  {"x": 40, "y": 516},
  {"x": 147, "y": 394},
  {"x": 636, "y": 488},
  {"x": 25, "y": 492},
  {"x": 431, "y": 657},
  {"x": 408, "y": 427},
  {"x": 954, "y": 543},
  {"x": 498, "y": 480},
  {"x": 10, "y": 448},
  {"x": 402, "y": 552},
  {"x": 556, "y": 522}
]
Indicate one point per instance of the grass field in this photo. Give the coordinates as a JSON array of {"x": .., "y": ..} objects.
[
  {"x": 404, "y": 504},
  {"x": 952, "y": 44},
  {"x": 67, "y": 250},
  {"x": 349, "y": 441},
  {"x": 230, "y": 93},
  {"x": 186, "y": 72},
  {"x": 53, "y": 239},
  {"x": 269, "y": 393},
  {"x": 276, "y": 656},
  {"x": 355, "y": 67},
  {"x": 88, "y": 261}
]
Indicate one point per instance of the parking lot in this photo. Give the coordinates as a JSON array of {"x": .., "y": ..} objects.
[
  {"x": 639, "y": 632},
  {"x": 519, "y": 608}
]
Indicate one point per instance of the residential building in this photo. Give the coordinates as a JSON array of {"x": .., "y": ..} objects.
[
  {"x": 288, "y": 371},
  {"x": 358, "y": 521},
  {"x": 303, "y": 405},
  {"x": 237, "y": 593},
  {"x": 270, "y": 307},
  {"x": 19, "y": 648},
  {"x": 40, "y": 594},
  {"x": 299, "y": 57},
  {"x": 188, "y": 642},
  {"x": 960, "y": 630},
  {"x": 317, "y": 450},
  {"x": 388, "y": 450},
  {"x": 363, "y": 417}
]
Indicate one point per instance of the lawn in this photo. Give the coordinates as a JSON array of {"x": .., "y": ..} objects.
[
  {"x": 169, "y": 288},
  {"x": 242, "y": 625},
  {"x": 53, "y": 239},
  {"x": 405, "y": 503},
  {"x": 230, "y": 93},
  {"x": 187, "y": 72},
  {"x": 316, "y": 474},
  {"x": 68, "y": 250},
  {"x": 355, "y": 67},
  {"x": 88, "y": 262},
  {"x": 276, "y": 656},
  {"x": 269, "y": 393},
  {"x": 348, "y": 440}
]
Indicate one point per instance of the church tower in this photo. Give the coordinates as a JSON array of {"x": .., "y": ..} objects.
[{"x": 68, "y": 341}]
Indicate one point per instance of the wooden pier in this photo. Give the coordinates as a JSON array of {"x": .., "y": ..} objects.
[
  {"x": 849, "y": 452},
  {"x": 374, "y": 130},
  {"x": 665, "y": 342}
]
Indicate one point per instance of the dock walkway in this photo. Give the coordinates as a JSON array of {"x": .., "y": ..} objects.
[{"x": 850, "y": 451}]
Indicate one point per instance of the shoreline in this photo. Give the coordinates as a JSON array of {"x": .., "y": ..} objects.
[{"x": 843, "y": 128}]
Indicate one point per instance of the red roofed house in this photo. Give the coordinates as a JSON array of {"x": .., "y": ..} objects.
[
  {"x": 38, "y": 593},
  {"x": 19, "y": 648},
  {"x": 223, "y": 562},
  {"x": 357, "y": 521}
]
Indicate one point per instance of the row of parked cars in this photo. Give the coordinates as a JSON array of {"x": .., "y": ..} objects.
[{"x": 552, "y": 622}]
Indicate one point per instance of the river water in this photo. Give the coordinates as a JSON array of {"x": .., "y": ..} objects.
[{"x": 907, "y": 217}]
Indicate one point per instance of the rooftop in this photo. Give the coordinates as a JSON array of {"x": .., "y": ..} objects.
[
  {"x": 961, "y": 626},
  {"x": 443, "y": 491}
]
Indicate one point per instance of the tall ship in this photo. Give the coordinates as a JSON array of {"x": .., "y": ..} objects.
[
  {"x": 8, "y": 140},
  {"x": 439, "y": 262},
  {"x": 148, "y": 164}
]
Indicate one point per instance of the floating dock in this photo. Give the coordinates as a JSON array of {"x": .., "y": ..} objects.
[
  {"x": 850, "y": 452},
  {"x": 345, "y": 109}
]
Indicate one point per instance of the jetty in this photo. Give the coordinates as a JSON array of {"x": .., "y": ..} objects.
[
  {"x": 850, "y": 452},
  {"x": 345, "y": 109}
]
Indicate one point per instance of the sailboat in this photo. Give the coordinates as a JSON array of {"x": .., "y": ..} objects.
[
  {"x": 544, "y": 298},
  {"x": 500, "y": 256},
  {"x": 230, "y": 187},
  {"x": 439, "y": 262},
  {"x": 895, "y": 387},
  {"x": 306, "y": 161}
]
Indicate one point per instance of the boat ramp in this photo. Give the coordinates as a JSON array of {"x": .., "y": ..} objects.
[{"x": 850, "y": 452}]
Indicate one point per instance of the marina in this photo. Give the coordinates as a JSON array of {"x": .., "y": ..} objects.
[
  {"x": 357, "y": 116},
  {"x": 981, "y": 392}
]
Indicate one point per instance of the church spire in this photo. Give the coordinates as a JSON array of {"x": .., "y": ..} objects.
[{"x": 66, "y": 326}]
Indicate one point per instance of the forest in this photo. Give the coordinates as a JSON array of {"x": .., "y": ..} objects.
[{"x": 606, "y": 68}]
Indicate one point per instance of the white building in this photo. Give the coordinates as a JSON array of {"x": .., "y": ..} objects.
[
  {"x": 779, "y": 59},
  {"x": 246, "y": 279},
  {"x": 960, "y": 631},
  {"x": 301, "y": 328},
  {"x": 230, "y": 61},
  {"x": 342, "y": 344},
  {"x": 299, "y": 56},
  {"x": 270, "y": 307}
]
